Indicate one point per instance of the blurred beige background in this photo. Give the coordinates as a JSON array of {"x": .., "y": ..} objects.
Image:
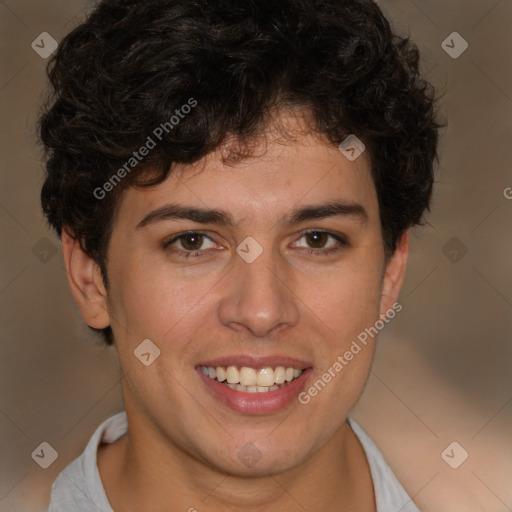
[{"x": 443, "y": 367}]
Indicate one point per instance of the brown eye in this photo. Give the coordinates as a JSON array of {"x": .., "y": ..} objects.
[
  {"x": 189, "y": 244},
  {"x": 192, "y": 241},
  {"x": 322, "y": 242},
  {"x": 317, "y": 239}
]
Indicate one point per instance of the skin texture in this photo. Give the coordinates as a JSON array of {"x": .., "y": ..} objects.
[{"x": 181, "y": 449}]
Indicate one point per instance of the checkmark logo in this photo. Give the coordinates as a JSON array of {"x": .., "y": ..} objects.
[
  {"x": 249, "y": 454},
  {"x": 45, "y": 455},
  {"x": 249, "y": 249},
  {"x": 44, "y": 250},
  {"x": 146, "y": 352},
  {"x": 44, "y": 45},
  {"x": 352, "y": 147},
  {"x": 454, "y": 250},
  {"x": 454, "y": 455},
  {"x": 454, "y": 45}
]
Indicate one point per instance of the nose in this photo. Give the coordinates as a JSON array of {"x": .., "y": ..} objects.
[{"x": 259, "y": 296}]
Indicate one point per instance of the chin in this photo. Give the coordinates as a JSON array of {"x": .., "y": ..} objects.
[{"x": 257, "y": 458}]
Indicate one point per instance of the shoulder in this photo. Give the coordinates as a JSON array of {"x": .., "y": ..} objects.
[
  {"x": 78, "y": 487},
  {"x": 389, "y": 493}
]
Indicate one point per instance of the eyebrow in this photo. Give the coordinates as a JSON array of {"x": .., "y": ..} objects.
[{"x": 222, "y": 218}]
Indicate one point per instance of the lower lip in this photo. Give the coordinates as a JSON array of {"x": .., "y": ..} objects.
[{"x": 256, "y": 403}]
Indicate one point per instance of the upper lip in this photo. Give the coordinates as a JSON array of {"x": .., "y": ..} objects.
[{"x": 257, "y": 361}]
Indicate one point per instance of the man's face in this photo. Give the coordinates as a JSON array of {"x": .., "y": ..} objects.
[{"x": 298, "y": 304}]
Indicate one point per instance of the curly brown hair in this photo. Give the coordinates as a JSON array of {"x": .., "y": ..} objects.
[{"x": 129, "y": 67}]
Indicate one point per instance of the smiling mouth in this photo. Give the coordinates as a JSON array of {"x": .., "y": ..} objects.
[{"x": 251, "y": 380}]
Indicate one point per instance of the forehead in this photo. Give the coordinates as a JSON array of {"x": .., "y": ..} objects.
[{"x": 280, "y": 173}]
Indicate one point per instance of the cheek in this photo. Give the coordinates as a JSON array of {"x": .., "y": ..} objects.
[
  {"x": 152, "y": 301},
  {"x": 348, "y": 303},
  {"x": 348, "y": 300}
]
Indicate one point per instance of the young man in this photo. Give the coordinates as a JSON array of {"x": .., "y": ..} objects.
[{"x": 233, "y": 183}]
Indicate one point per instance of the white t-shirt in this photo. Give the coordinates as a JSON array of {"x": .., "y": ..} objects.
[{"x": 78, "y": 488}]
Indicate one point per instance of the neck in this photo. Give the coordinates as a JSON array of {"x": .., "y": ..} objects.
[{"x": 144, "y": 471}]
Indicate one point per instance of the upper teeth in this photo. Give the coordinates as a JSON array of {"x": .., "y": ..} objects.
[{"x": 247, "y": 376}]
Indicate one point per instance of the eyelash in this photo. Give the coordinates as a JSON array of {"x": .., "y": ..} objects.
[{"x": 167, "y": 244}]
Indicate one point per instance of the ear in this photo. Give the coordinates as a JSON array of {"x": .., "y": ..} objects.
[
  {"x": 86, "y": 282},
  {"x": 395, "y": 273}
]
